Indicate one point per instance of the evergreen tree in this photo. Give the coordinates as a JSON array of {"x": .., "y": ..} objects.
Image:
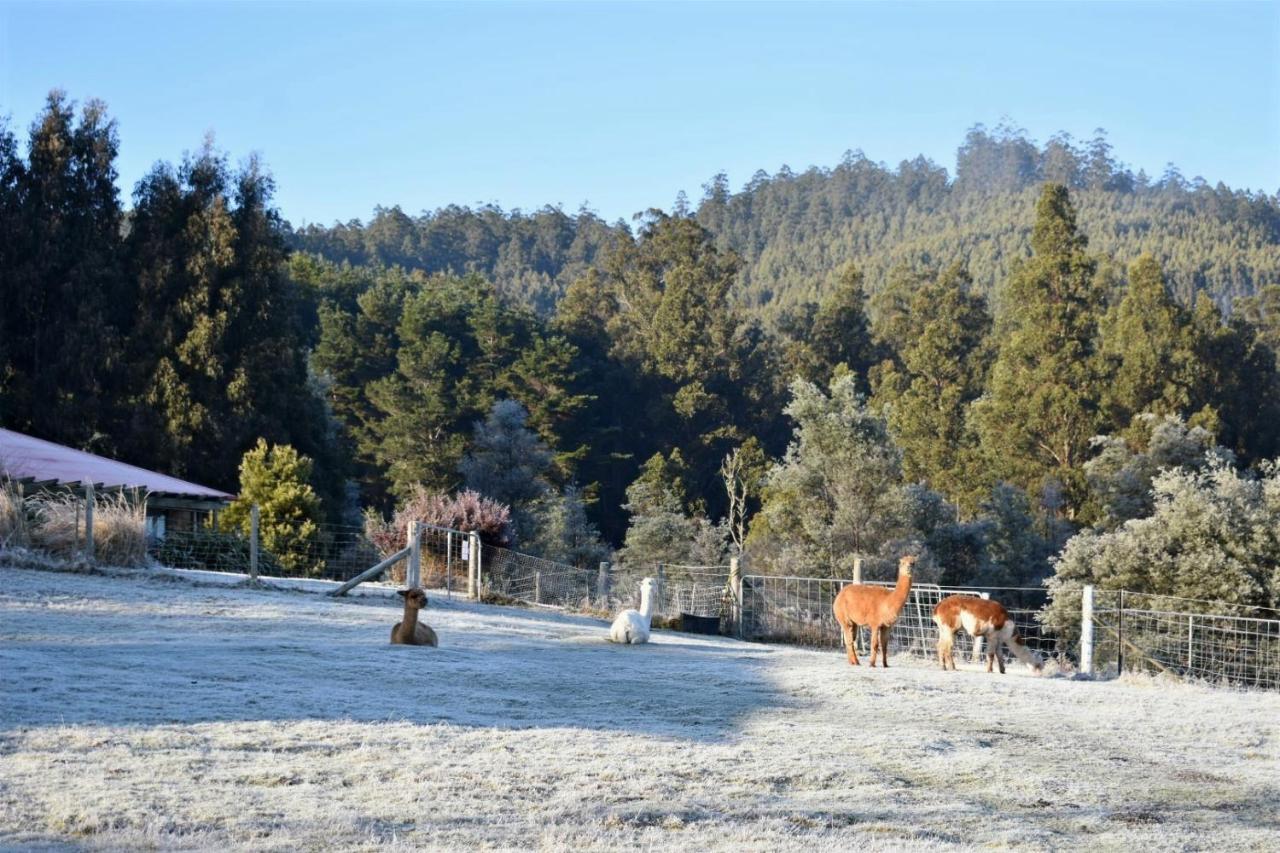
[
  {"x": 1043, "y": 402},
  {"x": 940, "y": 370},
  {"x": 277, "y": 479},
  {"x": 837, "y": 493},
  {"x": 1146, "y": 343},
  {"x": 65, "y": 299},
  {"x": 508, "y": 463},
  {"x": 835, "y": 333}
]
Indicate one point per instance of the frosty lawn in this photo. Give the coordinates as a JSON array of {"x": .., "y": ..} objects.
[{"x": 147, "y": 710}]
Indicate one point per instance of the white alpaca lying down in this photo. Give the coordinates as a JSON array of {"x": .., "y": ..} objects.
[{"x": 632, "y": 626}]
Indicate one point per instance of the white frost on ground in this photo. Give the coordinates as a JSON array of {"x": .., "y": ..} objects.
[{"x": 147, "y": 710}]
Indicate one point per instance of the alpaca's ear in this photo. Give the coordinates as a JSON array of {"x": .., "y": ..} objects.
[{"x": 402, "y": 593}]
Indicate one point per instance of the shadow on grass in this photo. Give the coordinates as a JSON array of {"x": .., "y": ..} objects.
[{"x": 211, "y": 661}]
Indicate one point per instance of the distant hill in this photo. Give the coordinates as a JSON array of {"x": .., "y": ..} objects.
[{"x": 795, "y": 231}]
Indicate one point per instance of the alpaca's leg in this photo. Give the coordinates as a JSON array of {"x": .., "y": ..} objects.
[
  {"x": 995, "y": 651},
  {"x": 946, "y": 639},
  {"x": 875, "y": 642},
  {"x": 884, "y": 646},
  {"x": 850, "y": 642}
]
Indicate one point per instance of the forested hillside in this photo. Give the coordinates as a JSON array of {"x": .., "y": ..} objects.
[
  {"x": 795, "y": 231},
  {"x": 848, "y": 362}
]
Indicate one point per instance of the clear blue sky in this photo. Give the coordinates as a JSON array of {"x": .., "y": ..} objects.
[{"x": 622, "y": 105}]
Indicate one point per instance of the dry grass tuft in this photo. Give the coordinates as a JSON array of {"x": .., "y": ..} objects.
[
  {"x": 15, "y": 525},
  {"x": 119, "y": 528}
]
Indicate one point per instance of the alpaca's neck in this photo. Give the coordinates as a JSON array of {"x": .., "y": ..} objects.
[
  {"x": 900, "y": 591},
  {"x": 646, "y": 604},
  {"x": 410, "y": 618}
]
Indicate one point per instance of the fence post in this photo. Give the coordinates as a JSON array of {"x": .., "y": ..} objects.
[
  {"x": 537, "y": 587},
  {"x": 662, "y": 576},
  {"x": 473, "y": 565},
  {"x": 253, "y": 543},
  {"x": 857, "y": 570},
  {"x": 1120, "y": 636},
  {"x": 1191, "y": 631},
  {"x": 88, "y": 521},
  {"x": 735, "y": 595},
  {"x": 602, "y": 585},
  {"x": 448, "y": 563},
  {"x": 1086, "y": 630},
  {"x": 414, "y": 573}
]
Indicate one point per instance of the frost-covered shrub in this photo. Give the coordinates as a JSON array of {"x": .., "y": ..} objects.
[
  {"x": 562, "y": 532},
  {"x": 1214, "y": 534},
  {"x": 466, "y": 511},
  {"x": 836, "y": 493}
]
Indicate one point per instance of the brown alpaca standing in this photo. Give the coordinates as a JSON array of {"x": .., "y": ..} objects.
[
  {"x": 409, "y": 631},
  {"x": 875, "y": 607},
  {"x": 980, "y": 617}
]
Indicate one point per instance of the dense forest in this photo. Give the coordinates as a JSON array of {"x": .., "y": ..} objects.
[
  {"x": 859, "y": 360},
  {"x": 796, "y": 231}
]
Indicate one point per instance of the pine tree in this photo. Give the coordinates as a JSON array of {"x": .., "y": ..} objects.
[
  {"x": 1146, "y": 344},
  {"x": 1043, "y": 401},
  {"x": 277, "y": 479},
  {"x": 940, "y": 369}
]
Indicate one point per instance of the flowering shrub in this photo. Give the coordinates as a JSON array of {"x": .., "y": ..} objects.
[{"x": 465, "y": 511}]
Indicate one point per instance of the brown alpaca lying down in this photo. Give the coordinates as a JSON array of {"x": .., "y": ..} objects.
[{"x": 409, "y": 631}]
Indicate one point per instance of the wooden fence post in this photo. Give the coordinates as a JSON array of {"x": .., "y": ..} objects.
[
  {"x": 1086, "y": 630},
  {"x": 537, "y": 587},
  {"x": 602, "y": 585},
  {"x": 413, "y": 576},
  {"x": 88, "y": 521},
  {"x": 472, "y": 546},
  {"x": 254, "y": 521},
  {"x": 857, "y": 570},
  {"x": 735, "y": 595}
]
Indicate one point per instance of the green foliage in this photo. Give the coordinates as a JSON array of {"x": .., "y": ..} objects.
[
  {"x": 1042, "y": 405},
  {"x": 834, "y": 334},
  {"x": 65, "y": 300},
  {"x": 1123, "y": 468},
  {"x": 276, "y": 478},
  {"x": 941, "y": 367},
  {"x": 1212, "y": 536},
  {"x": 837, "y": 493}
]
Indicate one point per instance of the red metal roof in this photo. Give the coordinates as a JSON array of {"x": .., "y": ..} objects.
[{"x": 23, "y": 457}]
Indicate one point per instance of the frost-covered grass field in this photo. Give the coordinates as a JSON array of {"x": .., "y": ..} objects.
[{"x": 143, "y": 710}]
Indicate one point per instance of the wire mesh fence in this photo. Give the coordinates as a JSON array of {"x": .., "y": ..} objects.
[
  {"x": 534, "y": 580},
  {"x": 1211, "y": 640},
  {"x": 329, "y": 551},
  {"x": 797, "y": 610}
]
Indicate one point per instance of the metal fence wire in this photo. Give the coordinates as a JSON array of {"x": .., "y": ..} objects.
[
  {"x": 534, "y": 580},
  {"x": 329, "y": 551},
  {"x": 1211, "y": 640},
  {"x": 797, "y": 610}
]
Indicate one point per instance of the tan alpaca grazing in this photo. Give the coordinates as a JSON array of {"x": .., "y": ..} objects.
[
  {"x": 980, "y": 617},
  {"x": 873, "y": 606},
  {"x": 409, "y": 631}
]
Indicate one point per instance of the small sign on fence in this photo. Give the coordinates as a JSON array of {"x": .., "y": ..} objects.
[{"x": 466, "y": 549}]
